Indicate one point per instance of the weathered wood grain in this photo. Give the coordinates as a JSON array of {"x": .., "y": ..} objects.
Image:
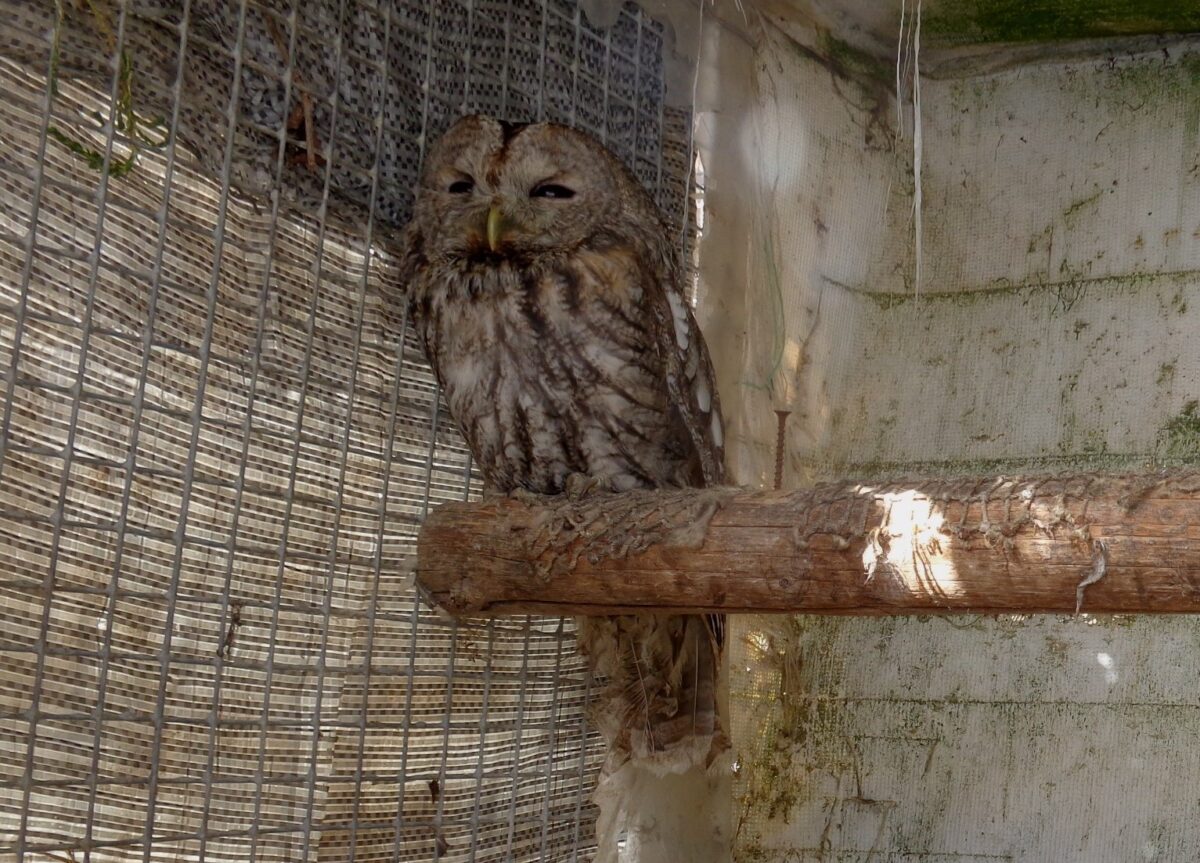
[{"x": 1055, "y": 544}]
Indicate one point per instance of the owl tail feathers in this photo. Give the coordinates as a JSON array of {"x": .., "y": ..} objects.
[
  {"x": 660, "y": 703},
  {"x": 664, "y": 792}
]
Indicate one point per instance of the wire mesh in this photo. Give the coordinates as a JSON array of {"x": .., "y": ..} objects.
[{"x": 217, "y": 439}]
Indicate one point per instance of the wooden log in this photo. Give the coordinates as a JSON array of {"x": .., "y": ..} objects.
[{"x": 1057, "y": 544}]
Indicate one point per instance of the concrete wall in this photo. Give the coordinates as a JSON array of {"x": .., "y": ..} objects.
[{"x": 1054, "y": 327}]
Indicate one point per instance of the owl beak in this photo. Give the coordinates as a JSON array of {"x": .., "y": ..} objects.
[{"x": 497, "y": 224}]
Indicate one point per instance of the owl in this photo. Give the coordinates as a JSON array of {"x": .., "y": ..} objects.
[{"x": 546, "y": 293}]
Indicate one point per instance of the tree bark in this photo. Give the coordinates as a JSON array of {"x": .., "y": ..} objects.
[{"x": 1063, "y": 543}]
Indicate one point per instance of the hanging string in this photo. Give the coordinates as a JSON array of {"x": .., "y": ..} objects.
[{"x": 917, "y": 142}]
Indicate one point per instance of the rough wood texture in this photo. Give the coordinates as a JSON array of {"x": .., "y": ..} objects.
[{"x": 1061, "y": 543}]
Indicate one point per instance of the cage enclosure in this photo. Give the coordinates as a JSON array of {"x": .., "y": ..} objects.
[{"x": 925, "y": 239}]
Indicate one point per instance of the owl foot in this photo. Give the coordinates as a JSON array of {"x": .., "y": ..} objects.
[
  {"x": 529, "y": 498},
  {"x": 577, "y": 486},
  {"x": 525, "y": 496}
]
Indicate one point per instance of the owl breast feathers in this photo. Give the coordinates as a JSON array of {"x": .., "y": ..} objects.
[{"x": 543, "y": 287}]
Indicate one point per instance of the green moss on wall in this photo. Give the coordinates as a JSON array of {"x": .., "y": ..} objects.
[
  {"x": 959, "y": 22},
  {"x": 1179, "y": 438},
  {"x": 856, "y": 63}
]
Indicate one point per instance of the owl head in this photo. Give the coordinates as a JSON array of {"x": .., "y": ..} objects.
[{"x": 492, "y": 189}]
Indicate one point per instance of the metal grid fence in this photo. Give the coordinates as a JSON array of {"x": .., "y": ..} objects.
[{"x": 217, "y": 439}]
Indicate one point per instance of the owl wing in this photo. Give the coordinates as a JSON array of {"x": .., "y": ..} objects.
[
  {"x": 412, "y": 260},
  {"x": 691, "y": 384},
  {"x": 411, "y": 254}
]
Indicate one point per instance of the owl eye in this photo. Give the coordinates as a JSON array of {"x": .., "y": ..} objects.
[
  {"x": 551, "y": 190},
  {"x": 461, "y": 187}
]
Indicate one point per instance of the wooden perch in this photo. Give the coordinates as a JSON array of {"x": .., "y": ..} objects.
[{"x": 1061, "y": 543}]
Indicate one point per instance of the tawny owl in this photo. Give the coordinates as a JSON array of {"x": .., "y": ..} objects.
[{"x": 545, "y": 291}]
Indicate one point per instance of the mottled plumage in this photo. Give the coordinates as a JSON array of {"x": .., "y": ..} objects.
[{"x": 545, "y": 291}]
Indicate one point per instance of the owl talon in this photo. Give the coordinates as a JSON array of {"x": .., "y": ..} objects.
[
  {"x": 577, "y": 486},
  {"x": 525, "y": 496}
]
